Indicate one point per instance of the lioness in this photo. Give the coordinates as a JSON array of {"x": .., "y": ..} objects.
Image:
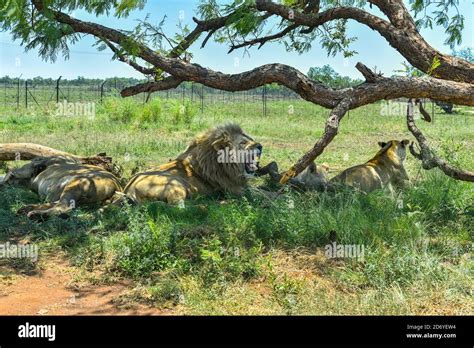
[
  {"x": 382, "y": 171},
  {"x": 217, "y": 161},
  {"x": 64, "y": 183},
  {"x": 314, "y": 177}
]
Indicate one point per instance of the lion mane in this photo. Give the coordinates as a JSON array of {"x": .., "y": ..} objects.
[{"x": 199, "y": 170}]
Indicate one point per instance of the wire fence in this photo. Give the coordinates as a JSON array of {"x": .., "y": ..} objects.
[{"x": 25, "y": 93}]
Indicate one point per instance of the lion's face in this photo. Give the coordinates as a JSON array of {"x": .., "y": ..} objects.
[
  {"x": 24, "y": 175},
  {"x": 249, "y": 153},
  {"x": 314, "y": 175},
  {"x": 225, "y": 156},
  {"x": 398, "y": 147}
]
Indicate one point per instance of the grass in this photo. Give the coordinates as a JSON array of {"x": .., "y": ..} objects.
[{"x": 248, "y": 256}]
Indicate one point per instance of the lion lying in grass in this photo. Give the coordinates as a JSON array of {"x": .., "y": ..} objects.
[
  {"x": 314, "y": 177},
  {"x": 217, "y": 161},
  {"x": 384, "y": 170},
  {"x": 64, "y": 183}
]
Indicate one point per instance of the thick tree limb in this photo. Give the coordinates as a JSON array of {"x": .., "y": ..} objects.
[
  {"x": 376, "y": 88},
  {"x": 330, "y": 131},
  {"x": 427, "y": 157},
  {"x": 397, "y": 13},
  {"x": 29, "y": 151},
  {"x": 384, "y": 88},
  {"x": 400, "y": 33},
  {"x": 161, "y": 85}
]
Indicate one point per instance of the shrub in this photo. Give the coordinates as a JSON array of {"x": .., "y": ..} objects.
[
  {"x": 143, "y": 248},
  {"x": 152, "y": 111},
  {"x": 117, "y": 109},
  {"x": 182, "y": 113}
]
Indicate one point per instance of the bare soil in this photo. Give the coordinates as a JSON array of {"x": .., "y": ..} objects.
[{"x": 53, "y": 291}]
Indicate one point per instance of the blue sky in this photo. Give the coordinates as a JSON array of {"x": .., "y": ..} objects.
[{"x": 86, "y": 61}]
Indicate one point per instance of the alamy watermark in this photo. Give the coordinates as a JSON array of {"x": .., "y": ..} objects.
[
  {"x": 70, "y": 109},
  {"x": 18, "y": 251},
  {"x": 354, "y": 251},
  {"x": 398, "y": 108},
  {"x": 228, "y": 155}
]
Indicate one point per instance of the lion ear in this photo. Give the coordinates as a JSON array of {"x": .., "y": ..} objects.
[
  {"x": 405, "y": 142},
  {"x": 222, "y": 141},
  {"x": 382, "y": 144}
]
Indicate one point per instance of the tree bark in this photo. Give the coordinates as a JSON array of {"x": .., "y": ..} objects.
[
  {"x": 428, "y": 158},
  {"x": 330, "y": 131},
  {"x": 29, "y": 151},
  {"x": 400, "y": 32}
]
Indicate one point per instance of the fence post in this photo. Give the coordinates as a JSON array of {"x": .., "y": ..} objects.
[
  {"x": 57, "y": 90},
  {"x": 145, "y": 96},
  {"x": 26, "y": 94},
  {"x": 18, "y": 94},
  {"x": 264, "y": 100},
  {"x": 202, "y": 98},
  {"x": 102, "y": 90}
]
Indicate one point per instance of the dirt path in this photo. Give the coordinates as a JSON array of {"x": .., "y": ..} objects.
[{"x": 50, "y": 292}]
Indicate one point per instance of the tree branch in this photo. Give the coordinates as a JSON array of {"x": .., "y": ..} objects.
[
  {"x": 29, "y": 151},
  {"x": 202, "y": 26},
  {"x": 396, "y": 12},
  {"x": 427, "y": 157},
  {"x": 400, "y": 33},
  {"x": 330, "y": 131},
  {"x": 124, "y": 59},
  {"x": 383, "y": 88},
  {"x": 368, "y": 74},
  {"x": 153, "y": 86},
  {"x": 263, "y": 40}
]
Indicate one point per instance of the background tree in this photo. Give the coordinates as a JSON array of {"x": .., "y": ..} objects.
[
  {"x": 46, "y": 25},
  {"x": 331, "y": 78}
]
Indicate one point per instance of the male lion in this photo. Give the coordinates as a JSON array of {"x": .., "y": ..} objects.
[
  {"x": 64, "y": 183},
  {"x": 383, "y": 170},
  {"x": 217, "y": 161}
]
